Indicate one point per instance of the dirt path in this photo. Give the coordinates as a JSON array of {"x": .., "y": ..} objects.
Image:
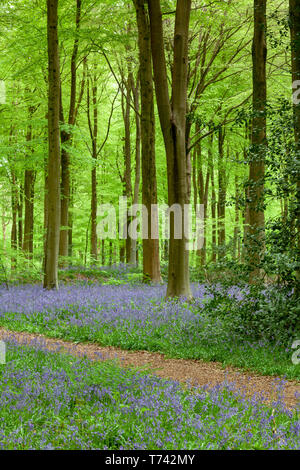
[{"x": 197, "y": 372}]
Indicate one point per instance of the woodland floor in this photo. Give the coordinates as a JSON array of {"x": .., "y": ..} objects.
[{"x": 194, "y": 372}]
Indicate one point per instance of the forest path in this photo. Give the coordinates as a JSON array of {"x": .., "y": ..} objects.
[{"x": 196, "y": 372}]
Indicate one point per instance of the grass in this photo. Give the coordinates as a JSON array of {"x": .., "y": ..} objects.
[
  {"x": 50, "y": 400},
  {"x": 259, "y": 358},
  {"x": 136, "y": 317}
]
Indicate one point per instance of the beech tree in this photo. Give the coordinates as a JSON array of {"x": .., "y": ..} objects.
[
  {"x": 256, "y": 233},
  {"x": 151, "y": 263},
  {"x": 29, "y": 180},
  {"x": 53, "y": 181},
  {"x": 221, "y": 194},
  {"x": 172, "y": 115},
  {"x": 92, "y": 102},
  {"x": 66, "y": 137},
  {"x": 294, "y": 14},
  {"x": 126, "y": 107}
]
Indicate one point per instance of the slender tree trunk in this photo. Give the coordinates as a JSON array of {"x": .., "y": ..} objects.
[
  {"x": 203, "y": 187},
  {"x": 93, "y": 126},
  {"x": 122, "y": 252},
  {"x": 103, "y": 252},
  {"x": 66, "y": 138},
  {"x": 256, "y": 234},
  {"x": 295, "y": 46},
  {"x": 236, "y": 233},
  {"x": 20, "y": 217},
  {"x": 151, "y": 262},
  {"x": 29, "y": 180},
  {"x": 4, "y": 225},
  {"x": 246, "y": 223},
  {"x": 65, "y": 196},
  {"x": 70, "y": 231},
  {"x": 221, "y": 196},
  {"x": 172, "y": 115},
  {"x": 110, "y": 252},
  {"x": 14, "y": 231},
  {"x": 133, "y": 248},
  {"x": 94, "y": 213},
  {"x": 53, "y": 223},
  {"x": 127, "y": 156},
  {"x": 213, "y": 203},
  {"x": 45, "y": 209},
  {"x": 245, "y": 214}
]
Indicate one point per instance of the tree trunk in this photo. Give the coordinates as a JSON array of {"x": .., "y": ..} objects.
[
  {"x": 236, "y": 232},
  {"x": 295, "y": 46},
  {"x": 45, "y": 208},
  {"x": 103, "y": 252},
  {"x": 110, "y": 252},
  {"x": 70, "y": 231},
  {"x": 65, "y": 196},
  {"x": 29, "y": 180},
  {"x": 213, "y": 204},
  {"x": 14, "y": 207},
  {"x": 172, "y": 115},
  {"x": 127, "y": 156},
  {"x": 122, "y": 252},
  {"x": 93, "y": 126},
  {"x": 4, "y": 225},
  {"x": 53, "y": 223},
  {"x": 66, "y": 138},
  {"x": 20, "y": 217},
  {"x": 221, "y": 196},
  {"x": 256, "y": 234},
  {"x": 246, "y": 222},
  {"x": 94, "y": 214},
  {"x": 133, "y": 248},
  {"x": 203, "y": 187},
  {"x": 151, "y": 262}
]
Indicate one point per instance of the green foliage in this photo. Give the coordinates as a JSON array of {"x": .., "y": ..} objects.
[{"x": 271, "y": 314}]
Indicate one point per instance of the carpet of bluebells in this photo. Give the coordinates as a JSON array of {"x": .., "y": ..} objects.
[
  {"x": 136, "y": 316},
  {"x": 133, "y": 315},
  {"x": 50, "y": 400}
]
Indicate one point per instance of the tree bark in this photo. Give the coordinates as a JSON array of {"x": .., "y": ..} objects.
[
  {"x": 66, "y": 137},
  {"x": 151, "y": 262},
  {"x": 256, "y": 233},
  {"x": 14, "y": 230},
  {"x": 295, "y": 47},
  {"x": 93, "y": 127},
  {"x": 172, "y": 115},
  {"x": 203, "y": 187},
  {"x": 221, "y": 196},
  {"x": 20, "y": 216},
  {"x": 29, "y": 180},
  {"x": 127, "y": 154},
  {"x": 53, "y": 223},
  {"x": 133, "y": 247},
  {"x": 213, "y": 205},
  {"x": 70, "y": 223},
  {"x": 236, "y": 232},
  {"x": 103, "y": 252}
]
